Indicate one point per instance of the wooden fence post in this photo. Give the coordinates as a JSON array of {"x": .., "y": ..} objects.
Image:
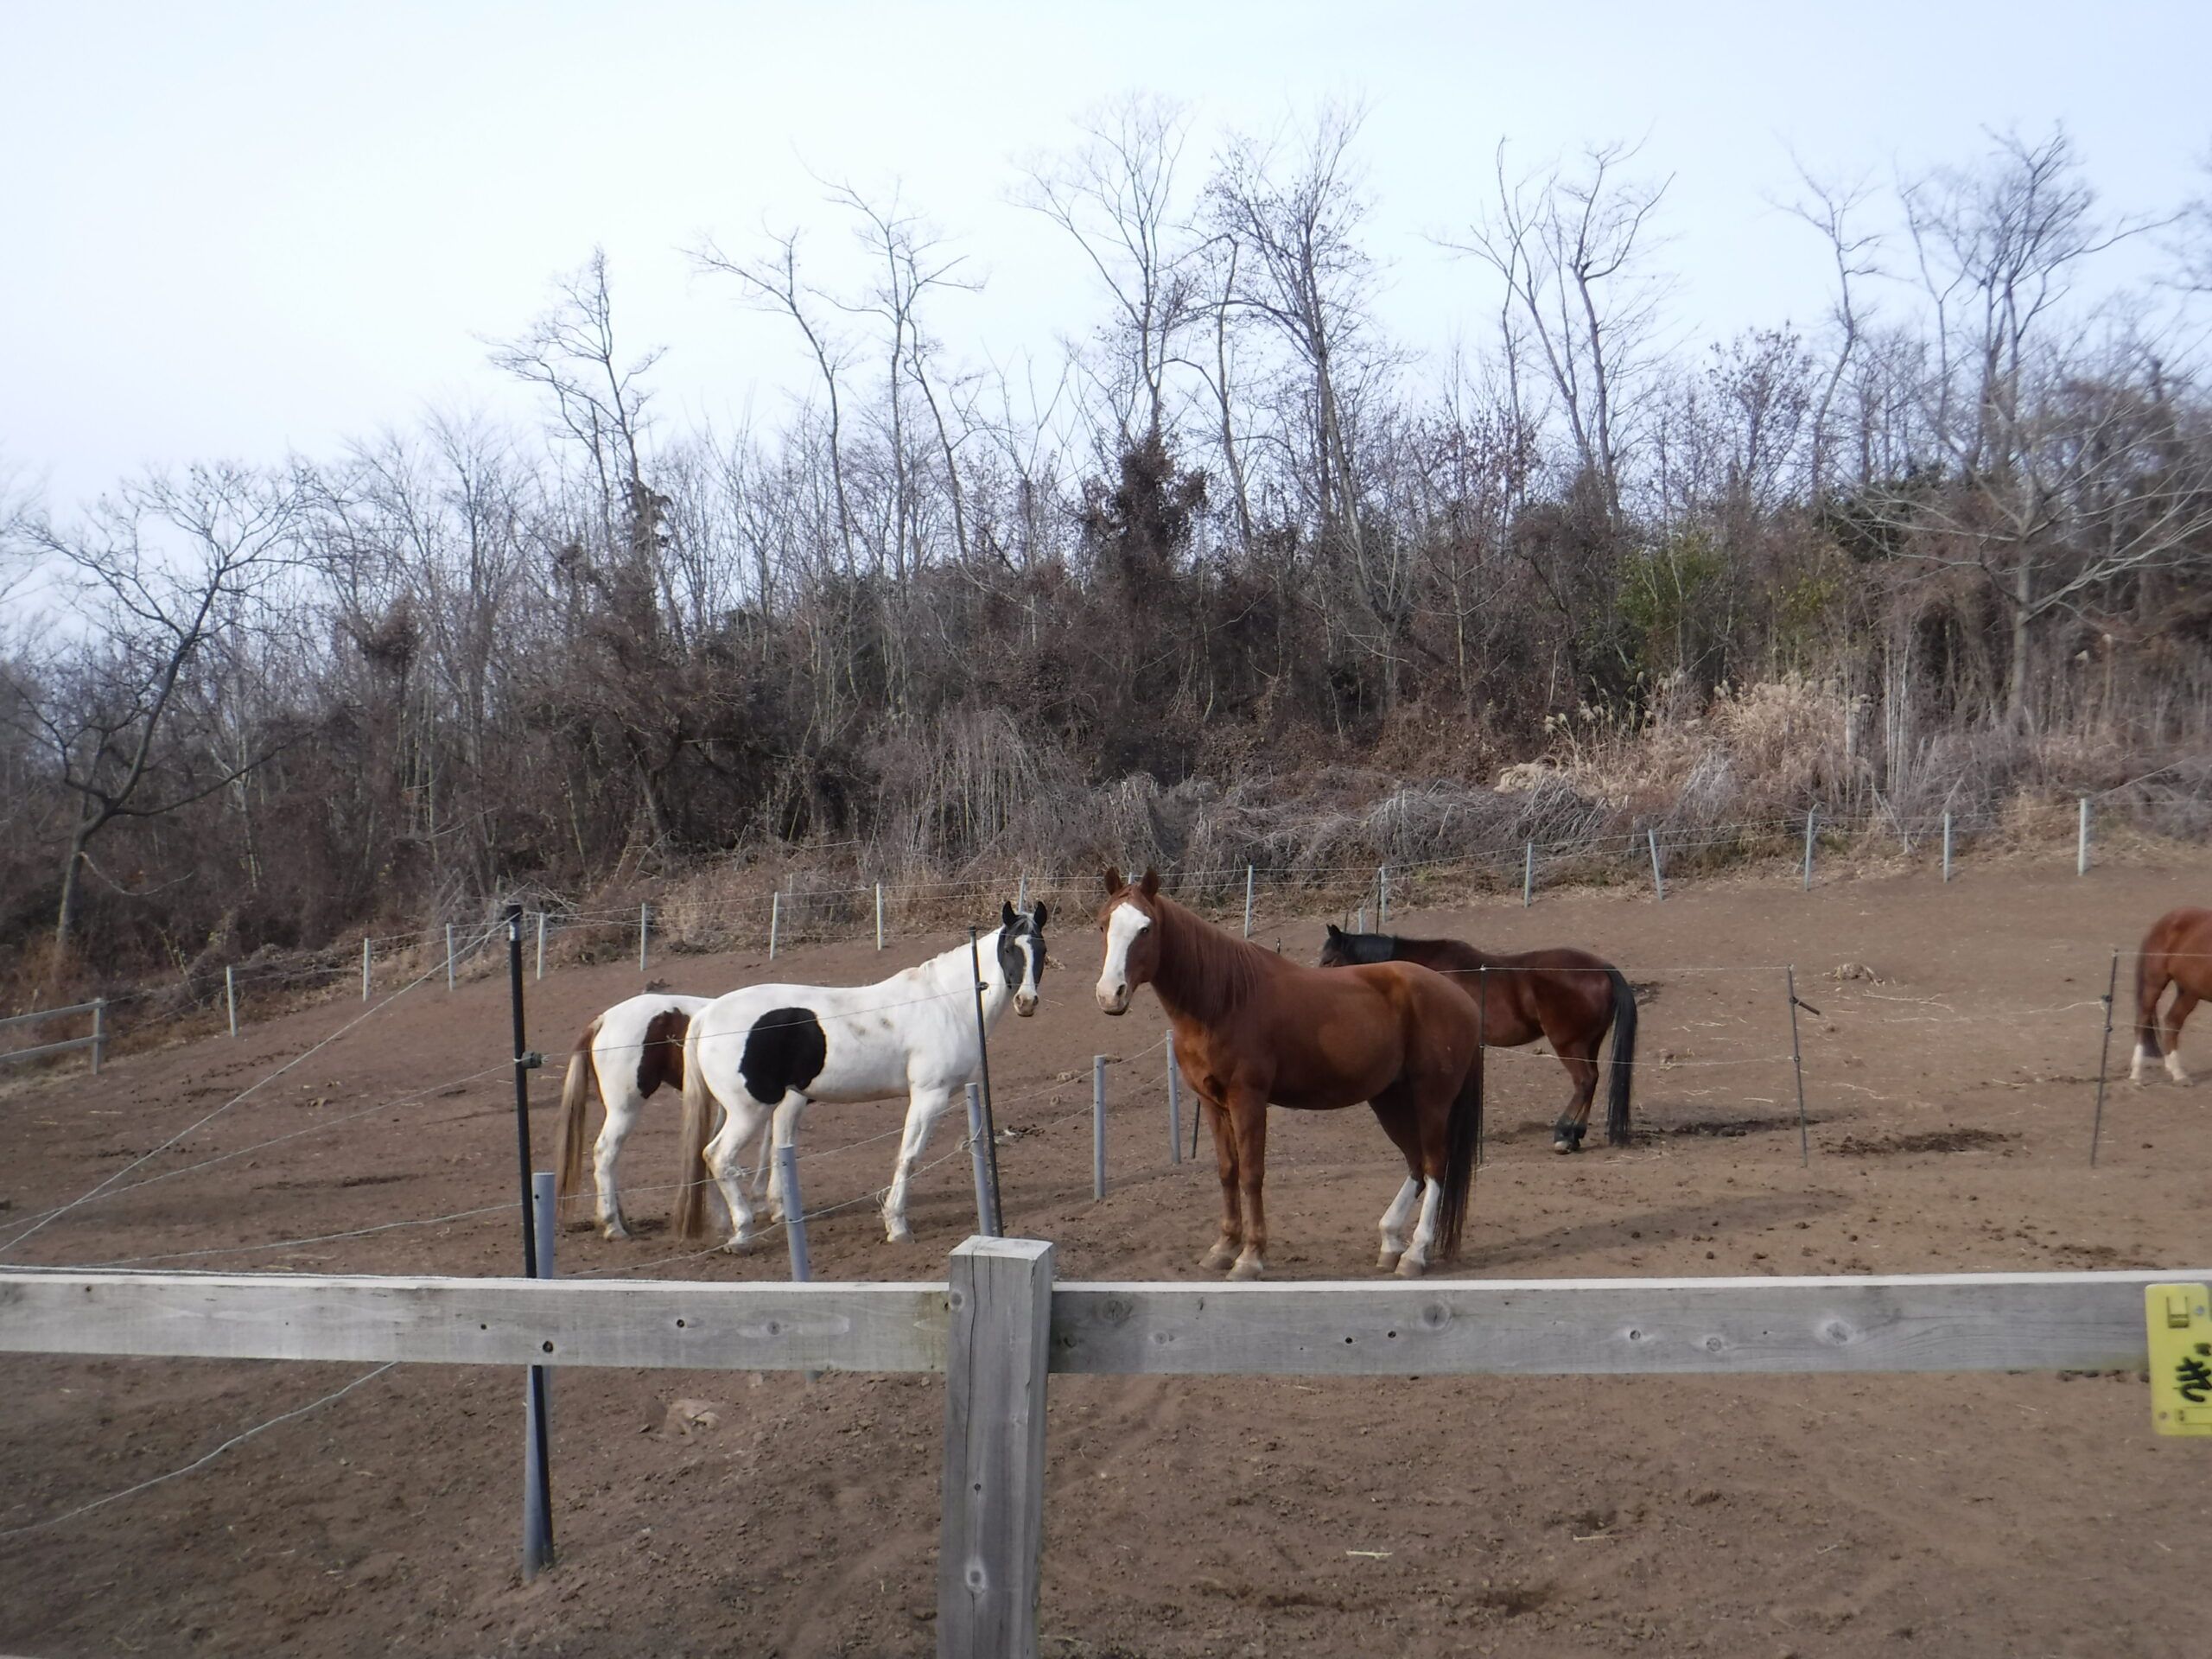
[{"x": 997, "y": 1344}]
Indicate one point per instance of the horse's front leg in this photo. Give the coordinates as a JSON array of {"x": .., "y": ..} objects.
[
  {"x": 1248, "y": 1117},
  {"x": 1231, "y": 1238},
  {"x": 922, "y": 1110}
]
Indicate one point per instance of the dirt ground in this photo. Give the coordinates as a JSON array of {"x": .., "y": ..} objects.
[{"x": 1950, "y": 1097}]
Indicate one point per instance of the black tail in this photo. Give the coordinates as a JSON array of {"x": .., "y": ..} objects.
[
  {"x": 2146, "y": 1002},
  {"x": 1463, "y": 1147},
  {"x": 1624, "y": 1059}
]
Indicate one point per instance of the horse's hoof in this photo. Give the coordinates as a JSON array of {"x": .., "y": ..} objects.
[
  {"x": 614, "y": 1230},
  {"x": 1248, "y": 1267},
  {"x": 1411, "y": 1267},
  {"x": 1562, "y": 1145},
  {"x": 1217, "y": 1258},
  {"x": 1388, "y": 1260},
  {"x": 898, "y": 1236}
]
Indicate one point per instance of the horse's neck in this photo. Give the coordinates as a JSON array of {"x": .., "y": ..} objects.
[
  {"x": 1204, "y": 991},
  {"x": 955, "y": 972}
]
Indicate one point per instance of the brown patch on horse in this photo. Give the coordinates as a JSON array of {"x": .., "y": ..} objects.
[
  {"x": 2177, "y": 951},
  {"x": 660, "y": 1058}
]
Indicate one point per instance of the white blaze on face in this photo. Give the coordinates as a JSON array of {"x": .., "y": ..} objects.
[
  {"x": 1025, "y": 993},
  {"x": 1123, "y": 929}
]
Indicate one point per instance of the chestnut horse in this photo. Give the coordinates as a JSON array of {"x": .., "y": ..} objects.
[
  {"x": 1570, "y": 997},
  {"x": 2177, "y": 951},
  {"x": 1252, "y": 1028}
]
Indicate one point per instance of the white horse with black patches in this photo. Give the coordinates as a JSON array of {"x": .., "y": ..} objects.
[
  {"x": 631, "y": 1050},
  {"x": 764, "y": 1052}
]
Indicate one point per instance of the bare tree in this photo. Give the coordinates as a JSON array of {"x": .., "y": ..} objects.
[
  {"x": 167, "y": 569},
  {"x": 1566, "y": 247},
  {"x": 1115, "y": 194}
]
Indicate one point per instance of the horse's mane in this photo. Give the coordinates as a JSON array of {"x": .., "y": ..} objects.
[{"x": 1203, "y": 971}]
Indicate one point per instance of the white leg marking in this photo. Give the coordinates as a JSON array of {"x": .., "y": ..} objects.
[
  {"x": 724, "y": 1153},
  {"x": 2173, "y": 1067},
  {"x": 1414, "y": 1262},
  {"x": 2135, "y": 1066},
  {"x": 1393, "y": 1223},
  {"x": 922, "y": 1113},
  {"x": 622, "y": 1115}
]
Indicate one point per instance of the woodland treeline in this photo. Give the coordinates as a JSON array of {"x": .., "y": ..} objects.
[{"x": 1245, "y": 549}]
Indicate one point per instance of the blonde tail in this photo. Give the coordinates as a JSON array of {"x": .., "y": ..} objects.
[
  {"x": 568, "y": 1149},
  {"x": 698, "y": 1126}
]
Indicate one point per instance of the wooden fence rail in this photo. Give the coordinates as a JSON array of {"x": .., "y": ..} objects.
[
  {"x": 97, "y": 1042},
  {"x": 999, "y": 1324}
]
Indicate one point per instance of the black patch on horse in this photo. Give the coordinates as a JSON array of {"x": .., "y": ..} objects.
[
  {"x": 784, "y": 1052},
  {"x": 660, "y": 1058}
]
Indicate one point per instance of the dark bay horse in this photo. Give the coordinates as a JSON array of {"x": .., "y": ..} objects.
[
  {"x": 1570, "y": 997},
  {"x": 1252, "y": 1028},
  {"x": 2177, "y": 951}
]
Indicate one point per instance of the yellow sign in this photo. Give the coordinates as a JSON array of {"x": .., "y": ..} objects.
[{"x": 2180, "y": 1319}]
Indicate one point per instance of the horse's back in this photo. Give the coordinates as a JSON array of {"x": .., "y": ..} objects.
[{"x": 2179, "y": 947}]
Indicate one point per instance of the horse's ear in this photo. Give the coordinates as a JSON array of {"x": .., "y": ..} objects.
[
  {"x": 1150, "y": 886},
  {"x": 1037, "y": 916},
  {"x": 1007, "y": 918},
  {"x": 1114, "y": 883},
  {"x": 1335, "y": 932}
]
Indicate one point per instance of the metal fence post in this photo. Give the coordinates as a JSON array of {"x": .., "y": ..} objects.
[
  {"x": 2081, "y": 842},
  {"x": 1658, "y": 882},
  {"x": 879, "y": 915},
  {"x": 1797, "y": 1064},
  {"x": 1247, "y": 902},
  {"x": 541, "y": 944},
  {"x": 987, "y": 1223},
  {"x": 1174, "y": 1104},
  {"x": 99, "y": 1032},
  {"x": 1097, "y": 1125},
  {"x": 775, "y": 919},
  {"x": 1946, "y": 846},
  {"x": 794, "y": 1213},
  {"x": 1528, "y": 875},
  {"x": 364, "y": 967},
  {"x": 231, "y": 998},
  {"x": 1383, "y": 900},
  {"x": 1810, "y": 814},
  {"x": 645, "y": 922},
  {"x": 997, "y": 1346},
  {"x": 449, "y": 955},
  {"x": 537, "y": 1404},
  {"x": 2104, "y": 1056}
]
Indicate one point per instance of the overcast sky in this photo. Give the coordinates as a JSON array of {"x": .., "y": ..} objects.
[{"x": 233, "y": 229}]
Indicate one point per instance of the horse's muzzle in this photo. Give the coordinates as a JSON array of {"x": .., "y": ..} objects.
[
  {"x": 1024, "y": 1006},
  {"x": 1115, "y": 1000}
]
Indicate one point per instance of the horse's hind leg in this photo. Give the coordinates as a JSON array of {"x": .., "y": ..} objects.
[
  {"x": 2183, "y": 1005},
  {"x": 725, "y": 1162},
  {"x": 1398, "y": 1123},
  {"x": 1582, "y": 1069},
  {"x": 624, "y": 1107},
  {"x": 2147, "y": 994}
]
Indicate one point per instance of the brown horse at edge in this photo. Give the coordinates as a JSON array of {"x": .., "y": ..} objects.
[
  {"x": 1568, "y": 996},
  {"x": 2177, "y": 951},
  {"x": 1253, "y": 1028}
]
